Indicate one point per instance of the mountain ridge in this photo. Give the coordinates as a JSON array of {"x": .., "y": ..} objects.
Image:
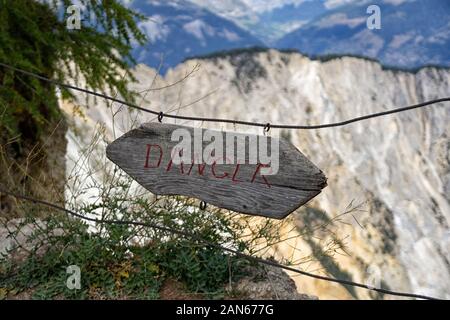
[
  {"x": 321, "y": 58},
  {"x": 177, "y": 29},
  {"x": 399, "y": 42},
  {"x": 182, "y": 29}
]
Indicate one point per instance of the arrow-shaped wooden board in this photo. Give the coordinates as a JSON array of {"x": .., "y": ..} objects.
[{"x": 146, "y": 154}]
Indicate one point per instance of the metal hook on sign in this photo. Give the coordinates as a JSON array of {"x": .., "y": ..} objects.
[
  {"x": 266, "y": 128},
  {"x": 160, "y": 116}
]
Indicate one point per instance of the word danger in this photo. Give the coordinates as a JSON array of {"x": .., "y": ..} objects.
[
  {"x": 198, "y": 145},
  {"x": 154, "y": 156}
]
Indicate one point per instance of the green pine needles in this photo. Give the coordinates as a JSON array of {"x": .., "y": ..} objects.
[{"x": 34, "y": 36}]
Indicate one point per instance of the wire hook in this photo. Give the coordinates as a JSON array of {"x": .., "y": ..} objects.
[
  {"x": 160, "y": 116},
  {"x": 266, "y": 128}
]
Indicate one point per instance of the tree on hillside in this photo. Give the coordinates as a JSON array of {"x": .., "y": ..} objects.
[{"x": 34, "y": 36}]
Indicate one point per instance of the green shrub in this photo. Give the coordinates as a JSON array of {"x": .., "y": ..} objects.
[{"x": 129, "y": 261}]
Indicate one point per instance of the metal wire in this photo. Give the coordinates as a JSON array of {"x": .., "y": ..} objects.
[
  {"x": 214, "y": 245},
  {"x": 266, "y": 127}
]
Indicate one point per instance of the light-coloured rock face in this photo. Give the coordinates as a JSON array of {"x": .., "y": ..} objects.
[{"x": 398, "y": 165}]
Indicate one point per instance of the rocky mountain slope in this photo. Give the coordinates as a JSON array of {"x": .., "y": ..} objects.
[
  {"x": 397, "y": 166},
  {"x": 413, "y": 33}
]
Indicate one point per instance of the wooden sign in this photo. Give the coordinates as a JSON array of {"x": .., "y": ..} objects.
[{"x": 242, "y": 181}]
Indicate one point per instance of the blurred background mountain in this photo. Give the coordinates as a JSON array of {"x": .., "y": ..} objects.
[{"x": 413, "y": 33}]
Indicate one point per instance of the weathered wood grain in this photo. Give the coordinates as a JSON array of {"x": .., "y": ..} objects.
[{"x": 239, "y": 189}]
